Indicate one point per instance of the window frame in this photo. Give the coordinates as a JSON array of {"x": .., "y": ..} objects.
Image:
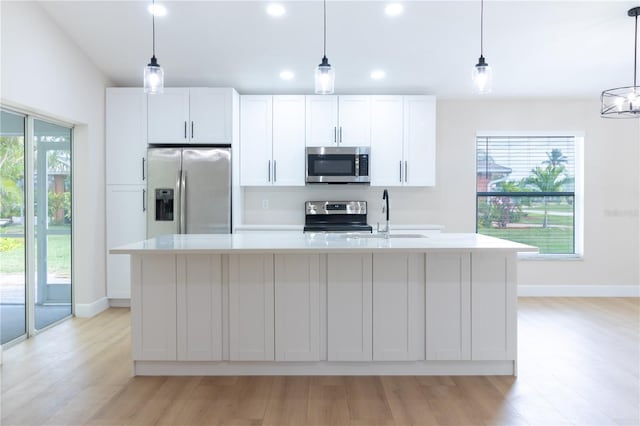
[{"x": 578, "y": 194}]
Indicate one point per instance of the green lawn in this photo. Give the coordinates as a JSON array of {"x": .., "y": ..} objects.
[
  {"x": 58, "y": 255},
  {"x": 526, "y": 225}
]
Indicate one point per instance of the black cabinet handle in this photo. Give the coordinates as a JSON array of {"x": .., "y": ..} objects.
[
  {"x": 185, "y": 129},
  {"x": 144, "y": 200},
  {"x": 192, "y": 130},
  {"x": 143, "y": 176}
]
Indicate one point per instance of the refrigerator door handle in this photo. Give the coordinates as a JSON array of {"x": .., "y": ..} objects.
[
  {"x": 183, "y": 202},
  {"x": 178, "y": 204}
]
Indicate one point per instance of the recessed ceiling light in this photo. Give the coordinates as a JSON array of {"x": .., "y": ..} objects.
[
  {"x": 276, "y": 9},
  {"x": 157, "y": 10},
  {"x": 377, "y": 74},
  {"x": 394, "y": 9},
  {"x": 287, "y": 75}
]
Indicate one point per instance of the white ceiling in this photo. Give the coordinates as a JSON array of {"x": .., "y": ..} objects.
[{"x": 536, "y": 48}]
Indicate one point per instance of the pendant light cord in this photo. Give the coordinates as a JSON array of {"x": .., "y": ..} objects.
[
  {"x": 635, "y": 55},
  {"x": 153, "y": 26},
  {"x": 324, "y": 47},
  {"x": 481, "y": 26}
]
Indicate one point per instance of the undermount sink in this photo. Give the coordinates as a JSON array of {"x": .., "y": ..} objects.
[{"x": 383, "y": 236}]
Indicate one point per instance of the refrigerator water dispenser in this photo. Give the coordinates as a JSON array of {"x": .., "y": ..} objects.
[{"x": 164, "y": 204}]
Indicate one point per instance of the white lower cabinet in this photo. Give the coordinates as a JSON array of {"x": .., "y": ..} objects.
[
  {"x": 494, "y": 301},
  {"x": 349, "y": 307},
  {"x": 398, "y": 306},
  {"x": 448, "y": 308},
  {"x": 297, "y": 307},
  {"x": 251, "y": 307},
  {"x": 126, "y": 223},
  {"x": 153, "y": 307},
  {"x": 199, "y": 307}
]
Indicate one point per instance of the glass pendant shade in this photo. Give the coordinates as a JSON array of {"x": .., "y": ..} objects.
[
  {"x": 153, "y": 77},
  {"x": 325, "y": 78},
  {"x": 482, "y": 76}
]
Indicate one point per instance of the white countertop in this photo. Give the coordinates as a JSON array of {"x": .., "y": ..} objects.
[
  {"x": 298, "y": 228},
  {"x": 289, "y": 242}
]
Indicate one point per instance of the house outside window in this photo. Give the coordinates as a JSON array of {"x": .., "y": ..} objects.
[{"x": 528, "y": 190}]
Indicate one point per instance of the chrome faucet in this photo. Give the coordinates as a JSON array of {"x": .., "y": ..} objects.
[{"x": 385, "y": 209}]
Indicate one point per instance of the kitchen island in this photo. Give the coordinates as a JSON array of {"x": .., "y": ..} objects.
[{"x": 293, "y": 303}]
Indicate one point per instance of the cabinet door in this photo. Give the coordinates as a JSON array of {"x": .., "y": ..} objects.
[
  {"x": 251, "y": 333},
  {"x": 322, "y": 120},
  {"x": 126, "y": 223},
  {"x": 419, "y": 140},
  {"x": 386, "y": 141},
  {"x": 354, "y": 127},
  {"x": 199, "y": 307},
  {"x": 398, "y": 307},
  {"x": 349, "y": 303},
  {"x": 210, "y": 114},
  {"x": 153, "y": 307},
  {"x": 448, "y": 308},
  {"x": 494, "y": 307},
  {"x": 297, "y": 307},
  {"x": 168, "y": 116},
  {"x": 126, "y": 135},
  {"x": 256, "y": 140},
  {"x": 288, "y": 140}
]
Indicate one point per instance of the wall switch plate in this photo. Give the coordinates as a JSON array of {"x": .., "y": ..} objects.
[{"x": 265, "y": 204}]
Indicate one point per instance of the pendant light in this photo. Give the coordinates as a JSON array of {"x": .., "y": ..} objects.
[
  {"x": 153, "y": 72},
  {"x": 624, "y": 102},
  {"x": 481, "y": 73},
  {"x": 325, "y": 75}
]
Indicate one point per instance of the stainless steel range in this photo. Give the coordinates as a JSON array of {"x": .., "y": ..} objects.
[{"x": 336, "y": 216}]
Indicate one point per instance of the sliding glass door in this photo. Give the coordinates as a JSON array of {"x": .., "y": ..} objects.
[
  {"x": 52, "y": 195},
  {"x": 35, "y": 224},
  {"x": 13, "y": 277}
]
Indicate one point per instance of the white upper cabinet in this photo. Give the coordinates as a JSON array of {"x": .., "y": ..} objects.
[
  {"x": 386, "y": 140},
  {"x": 196, "y": 115},
  {"x": 288, "y": 140},
  {"x": 210, "y": 112},
  {"x": 256, "y": 136},
  {"x": 338, "y": 120},
  {"x": 419, "y": 141},
  {"x": 354, "y": 124},
  {"x": 126, "y": 135},
  {"x": 168, "y": 114},
  {"x": 272, "y": 135},
  {"x": 403, "y": 141}
]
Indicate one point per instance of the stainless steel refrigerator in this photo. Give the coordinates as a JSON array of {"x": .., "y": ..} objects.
[{"x": 189, "y": 191}]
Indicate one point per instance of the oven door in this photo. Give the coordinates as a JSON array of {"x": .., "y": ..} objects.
[{"x": 335, "y": 165}]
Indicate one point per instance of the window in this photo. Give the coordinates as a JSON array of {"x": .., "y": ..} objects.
[{"x": 526, "y": 190}]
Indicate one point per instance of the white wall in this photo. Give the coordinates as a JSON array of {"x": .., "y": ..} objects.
[
  {"x": 612, "y": 186},
  {"x": 43, "y": 71}
]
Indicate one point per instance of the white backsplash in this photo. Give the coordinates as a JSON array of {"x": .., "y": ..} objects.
[{"x": 285, "y": 205}]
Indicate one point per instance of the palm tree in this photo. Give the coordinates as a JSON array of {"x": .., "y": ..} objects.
[
  {"x": 548, "y": 179},
  {"x": 555, "y": 158}
]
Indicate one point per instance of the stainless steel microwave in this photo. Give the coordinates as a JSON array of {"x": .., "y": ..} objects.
[{"x": 337, "y": 165}]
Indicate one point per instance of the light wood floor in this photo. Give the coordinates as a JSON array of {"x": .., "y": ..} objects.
[{"x": 578, "y": 364}]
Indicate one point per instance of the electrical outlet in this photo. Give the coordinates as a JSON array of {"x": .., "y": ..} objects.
[{"x": 265, "y": 204}]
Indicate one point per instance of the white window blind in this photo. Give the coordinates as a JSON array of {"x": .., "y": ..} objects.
[{"x": 525, "y": 187}]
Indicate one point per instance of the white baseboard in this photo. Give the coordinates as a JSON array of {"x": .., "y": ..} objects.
[
  {"x": 579, "y": 290},
  {"x": 87, "y": 310},
  {"x": 120, "y": 303}
]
